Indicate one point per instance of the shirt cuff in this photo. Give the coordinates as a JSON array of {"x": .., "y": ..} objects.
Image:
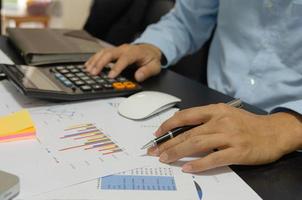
[{"x": 294, "y": 106}]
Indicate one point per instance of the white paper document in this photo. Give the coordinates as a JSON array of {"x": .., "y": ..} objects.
[
  {"x": 12, "y": 100},
  {"x": 160, "y": 181},
  {"x": 223, "y": 183},
  {"x": 75, "y": 143},
  {"x": 79, "y": 143},
  {"x": 157, "y": 181}
]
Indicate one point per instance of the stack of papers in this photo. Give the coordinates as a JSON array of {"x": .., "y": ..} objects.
[
  {"x": 69, "y": 145},
  {"x": 17, "y": 126}
]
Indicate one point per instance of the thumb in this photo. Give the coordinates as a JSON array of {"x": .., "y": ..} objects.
[{"x": 147, "y": 71}]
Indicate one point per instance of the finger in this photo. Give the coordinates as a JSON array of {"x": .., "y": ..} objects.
[
  {"x": 207, "y": 128},
  {"x": 213, "y": 160},
  {"x": 91, "y": 62},
  {"x": 156, "y": 151},
  {"x": 204, "y": 129},
  {"x": 147, "y": 71},
  {"x": 120, "y": 65},
  {"x": 153, "y": 151},
  {"x": 193, "y": 145},
  {"x": 192, "y": 116},
  {"x": 105, "y": 59}
]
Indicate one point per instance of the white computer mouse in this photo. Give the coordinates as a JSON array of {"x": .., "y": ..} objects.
[{"x": 145, "y": 104}]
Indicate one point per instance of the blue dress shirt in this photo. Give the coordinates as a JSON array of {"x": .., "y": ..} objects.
[{"x": 256, "y": 52}]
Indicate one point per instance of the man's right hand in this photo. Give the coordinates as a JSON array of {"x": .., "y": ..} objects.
[{"x": 146, "y": 56}]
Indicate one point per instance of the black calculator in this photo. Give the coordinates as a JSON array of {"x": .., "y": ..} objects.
[{"x": 67, "y": 82}]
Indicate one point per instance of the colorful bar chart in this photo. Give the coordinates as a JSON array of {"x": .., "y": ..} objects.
[
  {"x": 88, "y": 137},
  {"x": 130, "y": 182}
]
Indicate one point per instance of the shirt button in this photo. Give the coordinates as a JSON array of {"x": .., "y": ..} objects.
[{"x": 252, "y": 81}]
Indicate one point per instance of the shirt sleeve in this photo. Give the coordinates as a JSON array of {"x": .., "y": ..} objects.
[
  {"x": 295, "y": 106},
  {"x": 183, "y": 30}
]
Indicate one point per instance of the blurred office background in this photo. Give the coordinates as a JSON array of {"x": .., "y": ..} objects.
[
  {"x": 114, "y": 21},
  {"x": 44, "y": 13}
]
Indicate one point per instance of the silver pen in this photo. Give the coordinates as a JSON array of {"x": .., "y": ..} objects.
[{"x": 237, "y": 103}]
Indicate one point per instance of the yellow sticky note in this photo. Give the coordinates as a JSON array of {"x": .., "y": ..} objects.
[{"x": 15, "y": 123}]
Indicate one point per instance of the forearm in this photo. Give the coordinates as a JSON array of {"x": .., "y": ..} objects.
[{"x": 288, "y": 127}]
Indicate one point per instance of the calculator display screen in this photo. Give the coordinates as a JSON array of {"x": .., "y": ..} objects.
[{"x": 34, "y": 78}]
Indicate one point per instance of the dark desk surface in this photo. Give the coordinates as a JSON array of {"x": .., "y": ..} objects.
[{"x": 279, "y": 180}]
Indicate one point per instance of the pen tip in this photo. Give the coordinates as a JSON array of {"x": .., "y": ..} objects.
[
  {"x": 149, "y": 144},
  {"x": 144, "y": 147}
]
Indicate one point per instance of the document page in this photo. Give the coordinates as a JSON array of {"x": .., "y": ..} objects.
[
  {"x": 158, "y": 181},
  {"x": 12, "y": 100},
  {"x": 162, "y": 182},
  {"x": 80, "y": 143},
  {"x": 75, "y": 143}
]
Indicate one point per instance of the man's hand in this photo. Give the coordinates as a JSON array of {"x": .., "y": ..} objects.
[
  {"x": 146, "y": 56},
  {"x": 239, "y": 137}
]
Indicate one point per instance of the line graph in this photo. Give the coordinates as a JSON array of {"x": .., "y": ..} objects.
[{"x": 61, "y": 113}]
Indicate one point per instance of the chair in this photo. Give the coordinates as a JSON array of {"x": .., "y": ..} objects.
[{"x": 122, "y": 22}]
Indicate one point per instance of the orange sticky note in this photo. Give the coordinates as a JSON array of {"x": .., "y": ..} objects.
[{"x": 17, "y": 137}]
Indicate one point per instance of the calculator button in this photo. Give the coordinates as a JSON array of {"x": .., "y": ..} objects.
[
  {"x": 73, "y": 79},
  {"x": 95, "y": 77},
  {"x": 85, "y": 78},
  {"x": 86, "y": 88},
  {"x": 83, "y": 70},
  {"x": 75, "y": 70},
  {"x": 79, "y": 83},
  {"x": 62, "y": 78},
  {"x": 67, "y": 83},
  {"x": 97, "y": 87},
  {"x": 63, "y": 71},
  {"x": 129, "y": 84},
  {"x": 80, "y": 74},
  {"x": 60, "y": 68},
  {"x": 70, "y": 67},
  {"x": 58, "y": 75},
  {"x": 90, "y": 82},
  {"x": 69, "y": 75},
  {"x": 118, "y": 85},
  {"x": 107, "y": 86},
  {"x": 80, "y": 66},
  {"x": 99, "y": 80},
  {"x": 111, "y": 80},
  {"x": 121, "y": 79}
]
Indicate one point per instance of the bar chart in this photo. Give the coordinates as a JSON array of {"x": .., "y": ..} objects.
[
  {"x": 87, "y": 137},
  {"x": 122, "y": 182},
  {"x": 147, "y": 178}
]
